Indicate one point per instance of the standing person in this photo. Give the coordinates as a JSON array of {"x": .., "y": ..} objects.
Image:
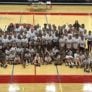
[
  {"x": 62, "y": 41},
  {"x": 62, "y": 47},
  {"x": 82, "y": 44},
  {"x": 5, "y": 40},
  {"x": 69, "y": 42},
  {"x": 89, "y": 42},
  {"x": 55, "y": 40},
  {"x": 24, "y": 41},
  {"x": 75, "y": 43},
  {"x": 76, "y": 25}
]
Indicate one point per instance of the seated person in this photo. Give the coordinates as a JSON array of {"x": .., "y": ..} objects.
[
  {"x": 17, "y": 59},
  {"x": 69, "y": 58},
  {"x": 77, "y": 59},
  {"x": 27, "y": 57},
  {"x": 58, "y": 60},
  {"x": 2, "y": 58},
  {"x": 37, "y": 60},
  {"x": 47, "y": 58},
  {"x": 86, "y": 63}
]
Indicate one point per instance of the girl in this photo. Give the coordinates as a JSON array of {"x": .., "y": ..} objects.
[
  {"x": 17, "y": 59},
  {"x": 77, "y": 59},
  {"x": 47, "y": 58},
  {"x": 37, "y": 60},
  {"x": 69, "y": 58}
]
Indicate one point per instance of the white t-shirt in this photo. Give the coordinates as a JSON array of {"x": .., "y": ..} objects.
[
  {"x": 10, "y": 40},
  {"x": 82, "y": 43},
  {"x": 55, "y": 51},
  {"x": 44, "y": 37},
  {"x": 32, "y": 51},
  {"x": 62, "y": 42},
  {"x": 7, "y": 52},
  {"x": 69, "y": 43},
  {"x": 55, "y": 38},
  {"x": 19, "y": 50},
  {"x": 89, "y": 37},
  {"x": 81, "y": 30},
  {"x": 18, "y": 40},
  {"x": 5, "y": 40},
  {"x": 13, "y": 50},
  {"x": 24, "y": 40},
  {"x": 75, "y": 42},
  {"x": 76, "y": 55}
]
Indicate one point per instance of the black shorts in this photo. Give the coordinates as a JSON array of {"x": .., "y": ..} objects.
[
  {"x": 82, "y": 49},
  {"x": 74, "y": 50},
  {"x": 89, "y": 43}
]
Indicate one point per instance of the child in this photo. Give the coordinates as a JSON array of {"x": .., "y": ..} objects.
[
  {"x": 69, "y": 42},
  {"x": 69, "y": 58},
  {"x": 86, "y": 63},
  {"x": 37, "y": 60},
  {"x": 11, "y": 57},
  {"x": 62, "y": 42},
  {"x": 7, "y": 53},
  {"x": 27, "y": 57},
  {"x": 2, "y": 59},
  {"x": 82, "y": 44},
  {"x": 58, "y": 60},
  {"x": 47, "y": 58},
  {"x": 77, "y": 59},
  {"x": 89, "y": 42},
  {"x": 82, "y": 57},
  {"x": 17, "y": 59}
]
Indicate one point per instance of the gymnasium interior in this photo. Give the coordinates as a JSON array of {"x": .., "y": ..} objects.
[{"x": 46, "y": 77}]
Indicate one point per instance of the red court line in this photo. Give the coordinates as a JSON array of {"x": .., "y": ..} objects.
[
  {"x": 44, "y": 13},
  {"x": 47, "y": 79}
]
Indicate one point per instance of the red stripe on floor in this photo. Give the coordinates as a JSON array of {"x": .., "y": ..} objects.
[
  {"x": 47, "y": 79},
  {"x": 44, "y": 13}
]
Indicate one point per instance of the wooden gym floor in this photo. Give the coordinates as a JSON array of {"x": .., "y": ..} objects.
[{"x": 68, "y": 80}]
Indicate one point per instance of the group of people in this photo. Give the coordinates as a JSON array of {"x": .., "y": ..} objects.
[{"x": 48, "y": 44}]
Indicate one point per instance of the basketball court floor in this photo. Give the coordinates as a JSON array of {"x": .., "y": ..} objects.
[{"x": 47, "y": 78}]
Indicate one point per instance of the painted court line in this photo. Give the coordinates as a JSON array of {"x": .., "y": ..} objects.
[
  {"x": 45, "y": 13},
  {"x": 58, "y": 78},
  {"x": 47, "y": 78}
]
